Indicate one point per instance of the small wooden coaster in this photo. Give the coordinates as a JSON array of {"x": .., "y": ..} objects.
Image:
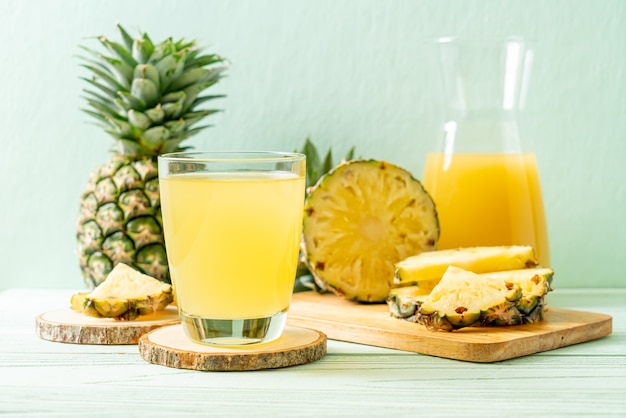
[
  {"x": 69, "y": 326},
  {"x": 169, "y": 346}
]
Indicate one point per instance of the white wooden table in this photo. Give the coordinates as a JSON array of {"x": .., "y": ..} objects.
[{"x": 42, "y": 378}]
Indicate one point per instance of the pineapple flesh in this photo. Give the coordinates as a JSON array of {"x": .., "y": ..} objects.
[
  {"x": 463, "y": 299},
  {"x": 361, "y": 218},
  {"x": 124, "y": 295},
  {"x": 535, "y": 284},
  {"x": 317, "y": 164},
  {"x": 426, "y": 269},
  {"x": 148, "y": 97}
]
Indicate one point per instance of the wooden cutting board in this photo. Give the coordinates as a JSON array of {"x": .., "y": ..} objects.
[{"x": 372, "y": 324}]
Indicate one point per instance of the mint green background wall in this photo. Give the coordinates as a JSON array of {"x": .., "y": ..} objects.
[{"x": 343, "y": 72}]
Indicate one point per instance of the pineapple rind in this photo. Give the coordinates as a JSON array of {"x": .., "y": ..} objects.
[
  {"x": 118, "y": 225},
  {"x": 361, "y": 218},
  {"x": 404, "y": 302}
]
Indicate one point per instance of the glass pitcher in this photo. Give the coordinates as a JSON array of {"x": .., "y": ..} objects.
[{"x": 482, "y": 178}]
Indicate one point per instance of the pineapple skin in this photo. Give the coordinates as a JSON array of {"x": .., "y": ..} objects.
[
  {"x": 120, "y": 220},
  {"x": 126, "y": 309},
  {"x": 404, "y": 302}
]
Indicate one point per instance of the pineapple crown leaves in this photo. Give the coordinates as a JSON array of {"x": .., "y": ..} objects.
[
  {"x": 147, "y": 95},
  {"x": 316, "y": 166}
]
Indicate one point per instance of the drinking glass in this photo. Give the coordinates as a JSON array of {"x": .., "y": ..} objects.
[{"x": 232, "y": 224}]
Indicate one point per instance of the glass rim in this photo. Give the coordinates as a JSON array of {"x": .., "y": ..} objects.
[{"x": 232, "y": 156}]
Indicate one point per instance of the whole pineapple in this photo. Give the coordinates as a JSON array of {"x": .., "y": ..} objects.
[{"x": 147, "y": 96}]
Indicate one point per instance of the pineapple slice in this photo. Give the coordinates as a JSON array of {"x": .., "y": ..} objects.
[
  {"x": 124, "y": 295},
  {"x": 462, "y": 299},
  {"x": 359, "y": 220},
  {"x": 534, "y": 283},
  {"x": 426, "y": 269}
]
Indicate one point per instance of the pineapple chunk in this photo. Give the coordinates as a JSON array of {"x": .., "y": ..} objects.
[
  {"x": 77, "y": 301},
  {"x": 462, "y": 299},
  {"x": 427, "y": 268},
  {"x": 359, "y": 220},
  {"x": 535, "y": 284},
  {"x": 124, "y": 295}
]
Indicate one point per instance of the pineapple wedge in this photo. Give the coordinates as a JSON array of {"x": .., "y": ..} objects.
[
  {"x": 124, "y": 295},
  {"x": 463, "y": 299},
  {"x": 361, "y": 218},
  {"x": 405, "y": 302},
  {"x": 426, "y": 269}
]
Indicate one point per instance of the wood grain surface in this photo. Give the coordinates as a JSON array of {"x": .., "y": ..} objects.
[
  {"x": 372, "y": 324},
  {"x": 169, "y": 346},
  {"x": 68, "y": 326}
]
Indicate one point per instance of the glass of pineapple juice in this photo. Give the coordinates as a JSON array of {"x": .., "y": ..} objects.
[{"x": 232, "y": 224}]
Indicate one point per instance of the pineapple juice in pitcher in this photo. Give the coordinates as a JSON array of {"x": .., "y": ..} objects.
[
  {"x": 232, "y": 237},
  {"x": 484, "y": 182},
  {"x": 488, "y": 199}
]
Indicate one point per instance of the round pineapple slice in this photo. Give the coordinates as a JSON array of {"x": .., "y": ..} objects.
[{"x": 360, "y": 219}]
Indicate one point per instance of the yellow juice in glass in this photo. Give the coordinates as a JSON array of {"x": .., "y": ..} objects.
[
  {"x": 233, "y": 241},
  {"x": 488, "y": 199}
]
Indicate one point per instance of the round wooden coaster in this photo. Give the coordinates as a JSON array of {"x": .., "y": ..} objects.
[
  {"x": 69, "y": 326},
  {"x": 169, "y": 346}
]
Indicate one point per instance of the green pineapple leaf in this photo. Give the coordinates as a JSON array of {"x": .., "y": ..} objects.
[
  {"x": 117, "y": 49},
  {"x": 128, "y": 40},
  {"x": 162, "y": 81},
  {"x": 145, "y": 90},
  {"x": 142, "y": 50},
  {"x": 149, "y": 72},
  {"x": 317, "y": 167}
]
